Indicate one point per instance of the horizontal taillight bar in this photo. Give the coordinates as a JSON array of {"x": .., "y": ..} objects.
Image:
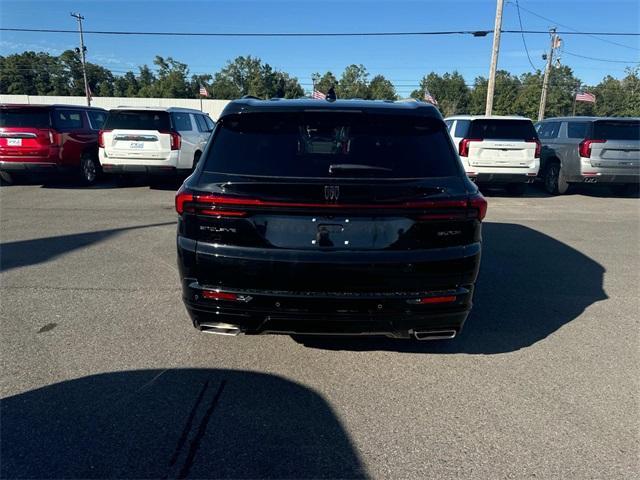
[
  {"x": 219, "y": 205},
  {"x": 226, "y": 296},
  {"x": 433, "y": 300}
]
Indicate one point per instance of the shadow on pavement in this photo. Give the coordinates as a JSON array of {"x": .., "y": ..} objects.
[
  {"x": 195, "y": 423},
  {"x": 530, "y": 285},
  {"x": 105, "y": 182},
  {"x": 31, "y": 252}
]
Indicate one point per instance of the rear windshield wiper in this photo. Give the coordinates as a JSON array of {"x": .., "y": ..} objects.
[{"x": 345, "y": 167}]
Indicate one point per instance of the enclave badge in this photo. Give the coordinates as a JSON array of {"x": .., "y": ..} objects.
[{"x": 331, "y": 192}]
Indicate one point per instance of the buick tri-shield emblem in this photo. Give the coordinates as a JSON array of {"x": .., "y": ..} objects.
[{"x": 331, "y": 192}]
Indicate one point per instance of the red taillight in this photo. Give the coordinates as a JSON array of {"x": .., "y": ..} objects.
[
  {"x": 222, "y": 206},
  {"x": 585, "y": 147},
  {"x": 434, "y": 300},
  {"x": 204, "y": 205},
  {"x": 175, "y": 140},
  {"x": 463, "y": 148},
  {"x": 479, "y": 204},
  {"x": 538, "y": 146},
  {"x": 215, "y": 295},
  {"x": 101, "y": 138}
]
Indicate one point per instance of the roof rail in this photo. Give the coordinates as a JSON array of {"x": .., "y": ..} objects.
[{"x": 251, "y": 97}]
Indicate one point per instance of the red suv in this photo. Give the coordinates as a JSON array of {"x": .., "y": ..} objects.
[{"x": 50, "y": 138}]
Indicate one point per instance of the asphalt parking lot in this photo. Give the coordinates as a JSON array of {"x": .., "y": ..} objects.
[{"x": 104, "y": 376}]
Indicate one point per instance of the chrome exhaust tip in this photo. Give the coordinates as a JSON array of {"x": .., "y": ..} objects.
[
  {"x": 434, "y": 334},
  {"x": 220, "y": 329}
]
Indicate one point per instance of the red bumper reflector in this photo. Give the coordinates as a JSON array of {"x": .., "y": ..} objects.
[
  {"x": 213, "y": 295},
  {"x": 432, "y": 300}
]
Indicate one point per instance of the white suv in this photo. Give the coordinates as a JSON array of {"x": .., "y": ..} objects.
[
  {"x": 153, "y": 140},
  {"x": 499, "y": 150}
]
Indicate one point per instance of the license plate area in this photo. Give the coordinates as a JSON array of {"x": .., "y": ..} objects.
[
  {"x": 136, "y": 145},
  {"x": 14, "y": 142}
]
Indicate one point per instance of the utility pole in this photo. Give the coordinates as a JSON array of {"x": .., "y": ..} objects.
[
  {"x": 497, "y": 30},
  {"x": 83, "y": 49},
  {"x": 555, "y": 41}
]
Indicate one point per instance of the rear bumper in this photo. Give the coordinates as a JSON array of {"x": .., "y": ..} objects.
[
  {"x": 590, "y": 172},
  {"x": 137, "y": 164},
  {"x": 390, "y": 314},
  {"x": 605, "y": 177},
  {"x": 502, "y": 175},
  {"x": 502, "y": 178},
  {"x": 140, "y": 169},
  {"x": 341, "y": 292},
  {"x": 31, "y": 166}
]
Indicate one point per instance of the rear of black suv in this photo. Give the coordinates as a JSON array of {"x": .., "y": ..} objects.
[{"x": 314, "y": 217}]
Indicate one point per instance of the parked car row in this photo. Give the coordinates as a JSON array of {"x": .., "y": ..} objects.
[
  {"x": 85, "y": 141},
  {"x": 505, "y": 151},
  {"x": 510, "y": 152}
]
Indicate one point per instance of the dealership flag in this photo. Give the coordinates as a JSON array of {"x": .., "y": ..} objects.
[
  {"x": 203, "y": 91},
  {"x": 429, "y": 98},
  {"x": 585, "y": 97},
  {"x": 318, "y": 95}
]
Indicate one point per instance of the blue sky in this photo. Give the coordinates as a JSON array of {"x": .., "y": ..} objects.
[{"x": 404, "y": 60}]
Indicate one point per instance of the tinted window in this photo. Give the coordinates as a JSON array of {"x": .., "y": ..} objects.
[
  {"x": 549, "y": 130},
  {"x": 181, "y": 122},
  {"x": 137, "y": 120},
  {"x": 462, "y": 127},
  {"x": 25, "y": 117},
  {"x": 448, "y": 123},
  {"x": 502, "y": 129},
  {"x": 330, "y": 145},
  {"x": 67, "y": 119},
  {"x": 96, "y": 119},
  {"x": 577, "y": 129},
  {"x": 616, "y": 130},
  {"x": 202, "y": 124},
  {"x": 210, "y": 123}
]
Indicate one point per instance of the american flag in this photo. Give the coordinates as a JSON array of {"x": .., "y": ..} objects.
[
  {"x": 318, "y": 95},
  {"x": 429, "y": 98},
  {"x": 585, "y": 97},
  {"x": 203, "y": 91}
]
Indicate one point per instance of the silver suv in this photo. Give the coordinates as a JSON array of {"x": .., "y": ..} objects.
[{"x": 589, "y": 150}]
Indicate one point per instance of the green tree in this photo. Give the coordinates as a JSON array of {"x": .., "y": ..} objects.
[
  {"x": 126, "y": 85},
  {"x": 449, "y": 90},
  {"x": 611, "y": 98},
  {"x": 171, "y": 79},
  {"x": 325, "y": 82},
  {"x": 249, "y": 76},
  {"x": 381, "y": 89},
  {"x": 353, "y": 83},
  {"x": 506, "y": 92},
  {"x": 146, "y": 80}
]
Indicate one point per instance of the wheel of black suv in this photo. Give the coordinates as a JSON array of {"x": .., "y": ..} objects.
[
  {"x": 516, "y": 189},
  {"x": 89, "y": 169},
  {"x": 554, "y": 180}
]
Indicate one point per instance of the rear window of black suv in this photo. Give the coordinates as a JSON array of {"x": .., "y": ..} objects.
[{"x": 331, "y": 145}]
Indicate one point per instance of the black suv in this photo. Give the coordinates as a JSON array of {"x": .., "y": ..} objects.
[{"x": 318, "y": 217}]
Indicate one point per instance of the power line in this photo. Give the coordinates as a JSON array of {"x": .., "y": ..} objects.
[
  {"x": 600, "y": 59},
  {"x": 580, "y": 32},
  {"x": 523, "y": 40},
  {"x": 475, "y": 33}
]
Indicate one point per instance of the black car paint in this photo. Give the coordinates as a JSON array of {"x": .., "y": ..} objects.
[{"x": 315, "y": 269}]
